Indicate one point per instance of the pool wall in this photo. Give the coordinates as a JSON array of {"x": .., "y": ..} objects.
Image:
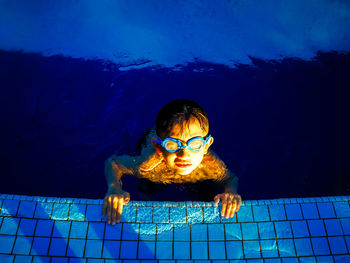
[{"x": 48, "y": 229}]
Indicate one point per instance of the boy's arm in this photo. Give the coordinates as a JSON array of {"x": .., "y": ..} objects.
[
  {"x": 231, "y": 183},
  {"x": 116, "y": 197}
]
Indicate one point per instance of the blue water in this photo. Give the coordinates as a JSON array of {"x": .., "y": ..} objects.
[{"x": 76, "y": 89}]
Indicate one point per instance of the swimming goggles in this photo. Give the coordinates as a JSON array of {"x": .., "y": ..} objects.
[{"x": 173, "y": 145}]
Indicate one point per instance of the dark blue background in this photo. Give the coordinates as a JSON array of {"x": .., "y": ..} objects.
[{"x": 281, "y": 126}]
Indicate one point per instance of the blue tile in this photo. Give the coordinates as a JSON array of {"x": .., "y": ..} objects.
[
  {"x": 177, "y": 215},
  {"x": 216, "y": 232},
  {"x": 283, "y": 229},
  {"x": 93, "y": 212},
  {"x": 130, "y": 231},
  {"x": 250, "y": 231},
  {"x": 310, "y": 211},
  {"x": 320, "y": 245},
  {"x": 293, "y": 211},
  {"x": 325, "y": 259},
  {"x": 164, "y": 250},
  {"x": 261, "y": 213},
  {"x": 95, "y": 260},
  {"x": 113, "y": 232},
  {"x": 182, "y": 232},
  {"x": 6, "y": 258},
  {"x": 76, "y": 248},
  {"x": 342, "y": 259},
  {"x": 96, "y": 230},
  {"x": 26, "y": 227},
  {"x": 245, "y": 214},
  {"x": 41, "y": 259},
  {"x": 272, "y": 260},
  {"x": 9, "y": 226},
  {"x": 161, "y": 214},
  {"x": 290, "y": 260},
  {"x": 337, "y": 245},
  {"x": 194, "y": 215},
  {"x": 233, "y": 231},
  {"x": 129, "y": 214},
  {"x": 146, "y": 249},
  {"x": 61, "y": 229},
  {"x": 77, "y": 212},
  {"x": 9, "y": 208},
  {"x": 93, "y": 248},
  {"x": 217, "y": 250},
  {"x": 333, "y": 227},
  {"x": 128, "y": 250},
  {"x": 148, "y": 232},
  {"x": 111, "y": 249},
  {"x": 326, "y": 210},
  {"x": 199, "y": 232},
  {"x": 345, "y": 222},
  {"x": 40, "y": 246},
  {"x": 43, "y": 210},
  {"x": 144, "y": 214},
  {"x": 266, "y": 230},
  {"x": 211, "y": 214},
  {"x": 199, "y": 250},
  {"x": 269, "y": 248},
  {"x": 6, "y": 244},
  {"x": 251, "y": 249},
  {"x": 26, "y": 209},
  {"x": 59, "y": 260},
  {"x": 44, "y": 228},
  {"x": 286, "y": 247},
  {"x": 234, "y": 249},
  {"x": 307, "y": 259},
  {"x": 60, "y": 211},
  {"x": 23, "y": 259},
  {"x": 299, "y": 228},
  {"x": 316, "y": 228},
  {"x": 342, "y": 209},
  {"x": 182, "y": 250},
  {"x": 277, "y": 212},
  {"x": 58, "y": 247},
  {"x": 303, "y": 247},
  {"x": 165, "y": 232},
  {"x": 78, "y": 229},
  {"x": 22, "y": 245}
]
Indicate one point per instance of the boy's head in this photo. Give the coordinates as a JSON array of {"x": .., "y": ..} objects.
[{"x": 177, "y": 123}]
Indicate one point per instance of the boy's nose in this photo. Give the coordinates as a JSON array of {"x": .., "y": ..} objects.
[{"x": 183, "y": 152}]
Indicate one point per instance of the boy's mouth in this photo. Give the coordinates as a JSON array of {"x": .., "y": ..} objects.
[{"x": 183, "y": 164}]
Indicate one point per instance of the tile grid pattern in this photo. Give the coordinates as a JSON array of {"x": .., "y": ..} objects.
[{"x": 46, "y": 229}]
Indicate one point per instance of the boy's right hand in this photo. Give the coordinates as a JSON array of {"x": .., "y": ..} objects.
[{"x": 114, "y": 203}]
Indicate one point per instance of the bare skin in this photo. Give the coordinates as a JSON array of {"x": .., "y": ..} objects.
[{"x": 182, "y": 162}]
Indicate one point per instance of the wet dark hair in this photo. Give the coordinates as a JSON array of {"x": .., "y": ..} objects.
[{"x": 178, "y": 112}]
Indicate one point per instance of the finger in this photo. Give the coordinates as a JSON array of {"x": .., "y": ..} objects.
[
  {"x": 239, "y": 202},
  {"x": 120, "y": 209},
  {"x": 229, "y": 206},
  {"x": 114, "y": 211},
  {"x": 233, "y": 210},
  {"x": 104, "y": 207},
  {"x": 126, "y": 198},
  {"x": 217, "y": 199},
  {"x": 224, "y": 204},
  {"x": 109, "y": 209}
]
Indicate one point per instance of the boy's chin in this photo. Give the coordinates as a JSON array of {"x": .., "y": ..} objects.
[{"x": 184, "y": 171}]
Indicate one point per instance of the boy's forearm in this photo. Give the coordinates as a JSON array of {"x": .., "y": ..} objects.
[
  {"x": 231, "y": 183},
  {"x": 113, "y": 175}
]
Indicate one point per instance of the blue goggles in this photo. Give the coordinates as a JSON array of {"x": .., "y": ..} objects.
[{"x": 173, "y": 145}]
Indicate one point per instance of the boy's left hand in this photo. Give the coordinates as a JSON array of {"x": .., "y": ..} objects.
[{"x": 230, "y": 203}]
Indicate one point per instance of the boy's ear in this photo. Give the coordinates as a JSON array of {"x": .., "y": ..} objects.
[
  {"x": 157, "y": 146},
  {"x": 207, "y": 145}
]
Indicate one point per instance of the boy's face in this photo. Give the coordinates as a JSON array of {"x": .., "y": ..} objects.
[{"x": 184, "y": 161}]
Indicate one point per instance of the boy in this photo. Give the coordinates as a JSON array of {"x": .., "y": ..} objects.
[{"x": 181, "y": 158}]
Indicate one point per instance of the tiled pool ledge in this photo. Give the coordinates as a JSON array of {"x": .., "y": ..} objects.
[{"x": 46, "y": 229}]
